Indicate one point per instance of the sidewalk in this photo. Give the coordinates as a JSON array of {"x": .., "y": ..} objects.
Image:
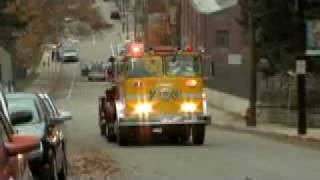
[
  {"x": 48, "y": 71},
  {"x": 237, "y": 123}
]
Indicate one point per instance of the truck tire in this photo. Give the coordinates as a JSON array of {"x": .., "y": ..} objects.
[
  {"x": 198, "y": 134},
  {"x": 122, "y": 138},
  {"x": 111, "y": 137},
  {"x": 103, "y": 131},
  {"x": 185, "y": 134}
]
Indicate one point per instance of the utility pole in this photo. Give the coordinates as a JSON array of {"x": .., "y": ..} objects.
[
  {"x": 178, "y": 25},
  {"x": 301, "y": 80},
  {"x": 146, "y": 23},
  {"x": 135, "y": 18},
  {"x": 251, "y": 120},
  {"x": 127, "y": 17},
  {"x": 123, "y": 16},
  {"x": 126, "y": 11}
]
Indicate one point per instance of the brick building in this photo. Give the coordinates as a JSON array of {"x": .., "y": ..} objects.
[
  {"x": 160, "y": 22},
  {"x": 212, "y": 25}
]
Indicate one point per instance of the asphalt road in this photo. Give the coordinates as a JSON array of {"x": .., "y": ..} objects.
[{"x": 224, "y": 156}]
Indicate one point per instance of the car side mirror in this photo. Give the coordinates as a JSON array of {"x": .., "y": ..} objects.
[
  {"x": 21, "y": 117},
  {"x": 21, "y": 144},
  {"x": 62, "y": 117}
]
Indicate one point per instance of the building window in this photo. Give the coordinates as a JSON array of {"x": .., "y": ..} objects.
[{"x": 222, "y": 39}]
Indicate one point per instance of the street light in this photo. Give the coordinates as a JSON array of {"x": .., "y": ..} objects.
[{"x": 127, "y": 18}]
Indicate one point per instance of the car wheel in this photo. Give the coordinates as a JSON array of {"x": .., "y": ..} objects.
[
  {"x": 198, "y": 134},
  {"x": 64, "y": 171},
  {"x": 53, "y": 169}
]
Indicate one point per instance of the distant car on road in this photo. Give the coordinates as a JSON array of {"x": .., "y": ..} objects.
[
  {"x": 115, "y": 15},
  {"x": 48, "y": 161},
  {"x": 97, "y": 72},
  {"x": 69, "y": 55},
  {"x": 84, "y": 69}
]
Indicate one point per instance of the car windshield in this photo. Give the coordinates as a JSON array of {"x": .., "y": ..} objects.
[
  {"x": 24, "y": 104},
  {"x": 97, "y": 68},
  {"x": 182, "y": 65},
  {"x": 140, "y": 67}
]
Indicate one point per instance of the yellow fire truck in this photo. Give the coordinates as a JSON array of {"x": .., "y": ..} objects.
[{"x": 156, "y": 92}]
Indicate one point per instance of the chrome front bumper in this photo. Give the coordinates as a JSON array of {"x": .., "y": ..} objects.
[{"x": 166, "y": 120}]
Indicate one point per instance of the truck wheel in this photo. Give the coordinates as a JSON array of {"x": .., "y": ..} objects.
[
  {"x": 174, "y": 138},
  {"x": 185, "y": 134},
  {"x": 122, "y": 137},
  {"x": 103, "y": 130},
  {"x": 198, "y": 134},
  {"x": 111, "y": 137}
]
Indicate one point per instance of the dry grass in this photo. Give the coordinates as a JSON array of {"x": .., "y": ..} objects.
[{"x": 92, "y": 163}]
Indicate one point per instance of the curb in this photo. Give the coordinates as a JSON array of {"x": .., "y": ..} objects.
[{"x": 305, "y": 140}]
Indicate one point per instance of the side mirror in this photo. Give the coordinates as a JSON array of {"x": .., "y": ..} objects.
[
  {"x": 21, "y": 117},
  {"x": 22, "y": 144},
  {"x": 63, "y": 116}
]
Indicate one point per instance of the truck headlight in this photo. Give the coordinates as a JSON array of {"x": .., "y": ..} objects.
[
  {"x": 188, "y": 107},
  {"x": 143, "y": 108}
]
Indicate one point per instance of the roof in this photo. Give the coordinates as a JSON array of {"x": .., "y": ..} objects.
[{"x": 211, "y": 6}]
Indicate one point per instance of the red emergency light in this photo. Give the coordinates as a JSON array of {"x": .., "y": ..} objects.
[
  {"x": 189, "y": 49},
  {"x": 136, "y": 49}
]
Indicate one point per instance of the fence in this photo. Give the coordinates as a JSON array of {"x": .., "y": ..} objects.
[{"x": 277, "y": 100}]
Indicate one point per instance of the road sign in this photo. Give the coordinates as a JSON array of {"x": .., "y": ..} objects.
[
  {"x": 301, "y": 67},
  {"x": 313, "y": 37}
]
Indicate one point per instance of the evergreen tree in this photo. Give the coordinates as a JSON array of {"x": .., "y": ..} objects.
[{"x": 278, "y": 32}]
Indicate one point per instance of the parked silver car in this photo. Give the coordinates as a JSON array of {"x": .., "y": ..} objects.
[
  {"x": 49, "y": 161},
  {"x": 13, "y": 165}
]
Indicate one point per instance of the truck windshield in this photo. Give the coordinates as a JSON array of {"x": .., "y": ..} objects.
[
  {"x": 146, "y": 66},
  {"x": 182, "y": 65}
]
